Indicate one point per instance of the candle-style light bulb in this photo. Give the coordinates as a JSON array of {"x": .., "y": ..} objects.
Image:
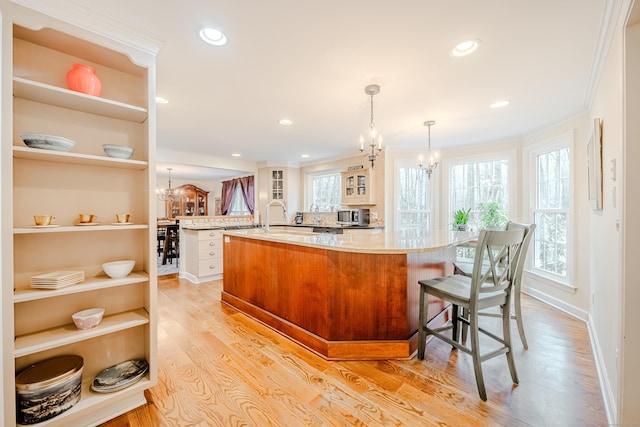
[
  {"x": 420, "y": 160},
  {"x": 361, "y": 143},
  {"x": 379, "y": 142}
]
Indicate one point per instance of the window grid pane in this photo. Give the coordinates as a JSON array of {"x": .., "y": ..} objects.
[
  {"x": 326, "y": 191},
  {"x": 413, "y": 206},
  {"x": 480, "y": 182},
  {"x": 551, "y": 211}
]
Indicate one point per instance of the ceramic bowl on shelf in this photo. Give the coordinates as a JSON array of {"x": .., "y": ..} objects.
[
  {"x": 88, "y": 319},
  {"x": 118, "y": 151},
  {"x": 118, "y": 269},
  {"x": 47, "y": 142}
]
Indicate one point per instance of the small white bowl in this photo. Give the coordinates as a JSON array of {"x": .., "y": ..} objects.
[
  {"x": 119, "y": 151},
  {"x": 88, "y": 319},
  {"x": 118, "y": 269}
]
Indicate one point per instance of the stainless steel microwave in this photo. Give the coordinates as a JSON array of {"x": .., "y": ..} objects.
[{"x": 353, "y": 217}]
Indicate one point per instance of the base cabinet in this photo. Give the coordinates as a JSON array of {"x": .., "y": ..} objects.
[
  {"x": 37, "y": 323},
  {"x": 202, "y": 255}
]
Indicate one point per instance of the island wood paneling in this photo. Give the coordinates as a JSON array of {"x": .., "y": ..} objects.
[{"x": 342, "y": 305}]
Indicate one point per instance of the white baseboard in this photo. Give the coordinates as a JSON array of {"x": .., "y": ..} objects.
[
  {"x": 605, "y": 384},
  {"x": 555, "y": 302}
]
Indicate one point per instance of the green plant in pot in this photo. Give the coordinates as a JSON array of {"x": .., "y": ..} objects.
[
  {"x": 460, "y": 220},
  {"x": 491, "y": 217}
]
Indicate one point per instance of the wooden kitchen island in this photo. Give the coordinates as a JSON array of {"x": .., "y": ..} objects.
[{"x": 349, "y": 296}]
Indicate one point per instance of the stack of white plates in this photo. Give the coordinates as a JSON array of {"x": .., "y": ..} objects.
[
  {"x": 120, "y": 376},
  {"x": 57, "y": 279}
]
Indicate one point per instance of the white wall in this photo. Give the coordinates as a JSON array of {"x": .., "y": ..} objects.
[{"x": 603, "y": 262}]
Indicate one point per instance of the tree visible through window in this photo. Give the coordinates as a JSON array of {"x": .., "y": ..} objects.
[
  {"x": 326, "y": 191},
  {"x": 551, "y": 211},
  {"x": 478, "y": 183},
  {"x": 413, "y": 207}
]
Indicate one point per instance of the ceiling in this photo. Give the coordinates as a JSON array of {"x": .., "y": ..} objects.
[{"x": 309, "y": 61}]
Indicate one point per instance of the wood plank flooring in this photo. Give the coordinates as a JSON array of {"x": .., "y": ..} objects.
[{"x": 218, "y": 367}]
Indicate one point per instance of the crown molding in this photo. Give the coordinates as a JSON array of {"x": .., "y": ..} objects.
[
  {"x": 613, "y": 10},
  {"x": 89, "y": 19}
]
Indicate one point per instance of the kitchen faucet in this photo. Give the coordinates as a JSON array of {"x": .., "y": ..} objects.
[
  {"x": 311, "y": 208},
  {"x": 284, "y": 210}
]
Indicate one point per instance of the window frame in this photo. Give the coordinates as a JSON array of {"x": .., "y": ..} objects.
[
  {"x": 431, "y": 192},
  {"x": 510, "y": 154},
  {"x": 310, "y": 176},
  {"x": 531, "y": 153}
]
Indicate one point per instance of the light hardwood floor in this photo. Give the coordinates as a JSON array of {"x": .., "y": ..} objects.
[{"x": 219, "y": 368}]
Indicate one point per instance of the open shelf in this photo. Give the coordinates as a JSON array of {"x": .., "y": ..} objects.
[
  {"x": 103, "y": 406},
  {"x": 52, "y": 95},
  {"x": 69, "y": 334},
  {"x": 91, "y": 284},
  {"x": 75, "y": 158},
  {"x": 77, "y": 228}
]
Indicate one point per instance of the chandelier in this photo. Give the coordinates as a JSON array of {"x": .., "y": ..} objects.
[
  {"x": 432, "y": 158},
  {"x": 375, "y": 143},
  {"x": 167, "y": 194}
]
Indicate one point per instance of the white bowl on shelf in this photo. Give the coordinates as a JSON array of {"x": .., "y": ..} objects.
[
  {"x": 47, "y": 142},
  {"x": 88, "y": 319},
  {"x": 118, "y": 269},
  {"x": 118, "y": 151}
]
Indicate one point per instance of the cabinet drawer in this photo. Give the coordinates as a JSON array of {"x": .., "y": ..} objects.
[
  {"x": 209, "y": 234},
  {"x": 209, "y": 267},
  {"x": 210, "y": 253},
  {"x": 207, "y": 245}
]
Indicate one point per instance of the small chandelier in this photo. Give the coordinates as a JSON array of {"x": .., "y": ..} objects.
[
  {"x": 432, "y": 158},
  {"x": 167, "y": 194},
  {"x": 376, "y": 138}
]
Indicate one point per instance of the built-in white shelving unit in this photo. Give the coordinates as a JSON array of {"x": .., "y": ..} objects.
[{"x": 36, "y": 323}]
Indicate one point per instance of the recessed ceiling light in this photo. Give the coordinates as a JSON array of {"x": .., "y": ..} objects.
[
  {"x": 465, "y": 48},
  {"x": 235, "y": 154},
  {"x": 160, "y": 100},
  {"x": 213, "y": 36},
  {"x": 305, "y": 156},
  {"x": 285, "y": 122},
  {"x": 499, "y": 104}
]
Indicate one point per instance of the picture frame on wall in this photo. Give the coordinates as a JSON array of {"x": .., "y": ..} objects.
[{"x": 594, "y": 165}]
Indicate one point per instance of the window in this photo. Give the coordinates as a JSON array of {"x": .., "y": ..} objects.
[
  {"x": 551, "y": 211},
  {"x": 325, "y": 191},
  {"x": 479, "y": 182},
  {"x": 238, "y": 205},
  {"x": 412, "y": 202}
]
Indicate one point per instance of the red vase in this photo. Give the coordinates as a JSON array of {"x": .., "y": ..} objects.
[{"x": 82, "y": 78}]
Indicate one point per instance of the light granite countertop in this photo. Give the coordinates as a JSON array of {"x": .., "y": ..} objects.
[{"x": 398, "y": 242}]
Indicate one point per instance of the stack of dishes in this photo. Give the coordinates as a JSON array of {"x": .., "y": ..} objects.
[
  {"x": 120, "y": 376},
  {"x": 57, "y": 279}
]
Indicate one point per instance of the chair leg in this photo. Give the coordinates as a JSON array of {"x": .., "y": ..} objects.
[
  {"x": 518, "y": 310},
  {"x": 464, "y": 327},
  {"x": 422, "y": 333},
  {"x": 475, "y": 353},
  {"x": 506, "y": 333},
  {"x": 455, "y": 322}
]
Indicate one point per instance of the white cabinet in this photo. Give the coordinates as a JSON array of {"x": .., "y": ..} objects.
[
  {"x": 277, "y": 184},
  {"x": 36, "y": 323},
  {"x": 357, "y": 187},
  {"x": 202, "y": 255}
]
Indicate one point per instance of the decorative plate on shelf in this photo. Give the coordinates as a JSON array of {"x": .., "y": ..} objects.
[
  {"x": 88, "y": 223},
  {"x": 120, "y": 376},
  {"x": 47, "y": 142},
  {"x": 122, "y": 223}
]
